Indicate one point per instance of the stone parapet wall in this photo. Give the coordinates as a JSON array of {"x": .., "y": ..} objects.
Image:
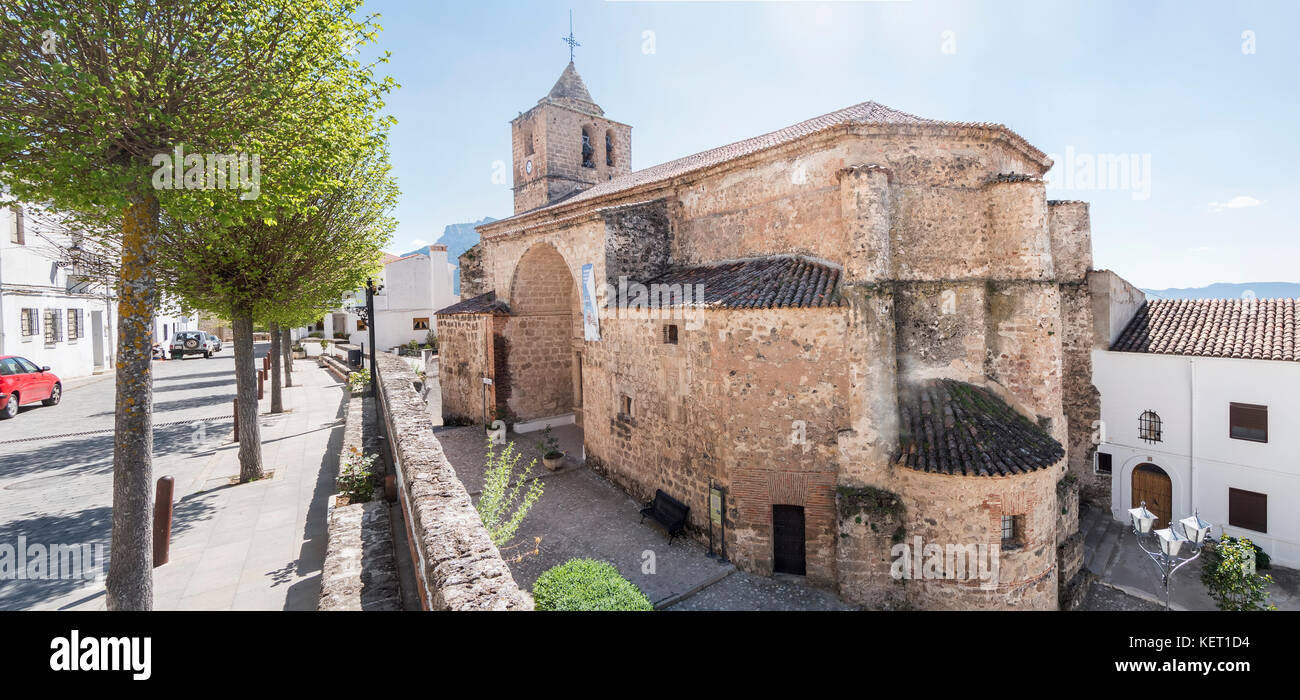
[
  {"x": 457, "y": 566},
  {"x": 360, "y": 571}
]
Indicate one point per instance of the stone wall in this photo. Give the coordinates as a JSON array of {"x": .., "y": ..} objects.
[
  {"x": 360, "y": 571},
  {"x": 465, "y": 357},
  {"x": 473, "y": 273},
  {"x": 638, "y": 241},
  {"x": 955, "y": 264},
  {"x": 550, "y": 136},
  {"x": 962, "y": 510},
  {"x": 544, "y": 322},
  {"x": 457, "y": 566},
  {"x": 750, "y": 400}
]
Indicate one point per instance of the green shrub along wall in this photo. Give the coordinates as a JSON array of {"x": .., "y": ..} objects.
[{"x": 587, "y": 584}]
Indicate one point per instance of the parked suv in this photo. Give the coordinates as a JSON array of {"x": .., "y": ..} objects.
[
  {"x": 216, "y": 342},
  {"x": 187, "y": 343}
]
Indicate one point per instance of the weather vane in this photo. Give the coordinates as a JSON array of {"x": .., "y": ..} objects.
[{"x": 573, "y": 43}]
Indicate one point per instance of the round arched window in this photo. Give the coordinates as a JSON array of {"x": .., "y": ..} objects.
[{"x": 1149, "y": 426}]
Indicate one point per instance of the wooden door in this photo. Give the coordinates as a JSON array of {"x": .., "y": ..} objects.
[
  {"x": 788, "y": 540},
  {"x": 1152, "y": 484}
]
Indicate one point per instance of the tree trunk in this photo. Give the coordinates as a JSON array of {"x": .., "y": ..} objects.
[
  {"x": 250, "y": 433},
  {"x": 286, "y": 350},
  {"x": 277, "y": 401},
  {"x": 129, "y": 585}
]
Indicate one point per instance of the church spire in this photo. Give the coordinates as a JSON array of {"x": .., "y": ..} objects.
[{"x": 570, "y": 91}]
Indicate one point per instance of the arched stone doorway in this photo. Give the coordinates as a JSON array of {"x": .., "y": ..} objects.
[
  {"x": 545, "y": 320},
  {"x": 1152, "y": 484}
]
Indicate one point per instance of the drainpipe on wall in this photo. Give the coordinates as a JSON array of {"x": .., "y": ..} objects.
[{"x": 1191, "y": 430}]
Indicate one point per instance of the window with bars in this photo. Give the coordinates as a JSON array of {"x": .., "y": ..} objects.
[
  {"x": 1103, "y": 463},
  {"x": 1149, "y": 428},
  {"x": 28, "y": 322},
  {"x": 76, "y": 325},
  {"x": 1248, "y": 421},
  {"x": 53, "y": 326},
  {"x": 1012, "y": 529}
]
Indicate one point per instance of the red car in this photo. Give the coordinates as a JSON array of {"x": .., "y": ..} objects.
[{"x": 22, "y": 382}]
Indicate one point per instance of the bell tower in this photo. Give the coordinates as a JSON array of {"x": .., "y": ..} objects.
[{"x": 565, "y": 145}]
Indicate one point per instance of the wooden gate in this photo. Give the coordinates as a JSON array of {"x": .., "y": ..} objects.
[
  {"x": 1152, "y": 484},
  {"x": 788, "y": 540}
]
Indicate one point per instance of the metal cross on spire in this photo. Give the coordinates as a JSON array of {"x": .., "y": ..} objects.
[{"x": 573, "y": 43}]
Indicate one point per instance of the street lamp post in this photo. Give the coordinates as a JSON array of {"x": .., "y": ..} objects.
[
  {"x": 371, "y": 289},
  {"x": 1176, "y": 542}
]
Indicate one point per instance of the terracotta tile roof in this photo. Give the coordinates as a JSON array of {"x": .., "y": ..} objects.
[
  {"x": 863, "y": 113},
  {"x": 1257, "y": 329},
  {"x": 951, "y": 427},
  {"x": 481, "y": 304},
  {"x": 389, "y": 257},
  {"x": 776, "y": 282}
]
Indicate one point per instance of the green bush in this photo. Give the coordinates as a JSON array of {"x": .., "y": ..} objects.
[
  {"x": 1229, "y": 579},
  {"x": 356, "y": 478},
  {"x": 587, "y": 584}
]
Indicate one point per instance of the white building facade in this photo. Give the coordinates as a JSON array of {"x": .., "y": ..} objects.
[
  {"x": 413, "y": 286},
  {"x": 1200, "y": 405},
  {"x": 49, "y": 313}
]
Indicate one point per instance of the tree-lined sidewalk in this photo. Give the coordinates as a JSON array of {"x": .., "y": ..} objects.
[{"x": 206, "y": 125}]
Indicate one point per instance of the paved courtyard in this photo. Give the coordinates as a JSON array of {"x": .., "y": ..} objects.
[
  {"x": 252, "y": 546},
  {"x": 1111, "y": 552},
  {"x": 581, "y": 514}
]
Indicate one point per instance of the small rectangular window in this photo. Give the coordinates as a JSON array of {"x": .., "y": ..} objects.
[
  {"x": 29, "y": 322},
  {"x": 73, "y": 331},
  {"x": 18, "y": 233},
  {"x": 670, "y": 334},
  {"x": 1103, "y": 463},
  {"x": 1248, "y": 422},
  {"x": 53, "y": 326},
  {"x": 1012, "y": 526},
  {"x": 625, "y": 406},
  {"x": 1248, "y": 510},
  {"x": 361, "y": 324},
  {"x": 420, "y": 324}
]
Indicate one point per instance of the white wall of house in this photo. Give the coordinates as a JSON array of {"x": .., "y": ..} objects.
[
  {"x": 1192, "y": 395},
  {"x": 413, "y": 288},
  {"x": 30, "y": 278}
]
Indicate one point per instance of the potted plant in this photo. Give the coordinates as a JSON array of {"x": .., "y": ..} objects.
[
  {"x": 299, "y": 352},
  {"x": 552, "y": 456}
]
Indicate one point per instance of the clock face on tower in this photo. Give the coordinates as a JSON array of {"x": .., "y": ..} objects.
[{"x": 528, "y": 167}]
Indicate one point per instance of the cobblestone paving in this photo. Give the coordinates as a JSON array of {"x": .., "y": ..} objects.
[{"x": 581, "y": 514}]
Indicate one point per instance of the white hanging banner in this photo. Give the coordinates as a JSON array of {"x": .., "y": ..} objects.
[{"x": 590, "y": 322}]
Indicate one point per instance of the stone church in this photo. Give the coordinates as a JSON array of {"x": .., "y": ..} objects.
[{"x": 865, "y": 343}]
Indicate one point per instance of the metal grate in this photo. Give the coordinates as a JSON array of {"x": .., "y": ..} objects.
[{"x": 1149, "y": 428}]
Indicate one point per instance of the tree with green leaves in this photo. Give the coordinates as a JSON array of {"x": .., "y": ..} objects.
[
  {"x": 282, "y": 270},
  {"x": 100, "y": 103}
]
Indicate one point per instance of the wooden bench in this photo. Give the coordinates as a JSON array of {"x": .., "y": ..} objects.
[{"x": 668, "y": 512}]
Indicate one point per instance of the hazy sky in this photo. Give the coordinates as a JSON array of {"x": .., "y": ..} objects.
[{"x": 1198, "y": 98}]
